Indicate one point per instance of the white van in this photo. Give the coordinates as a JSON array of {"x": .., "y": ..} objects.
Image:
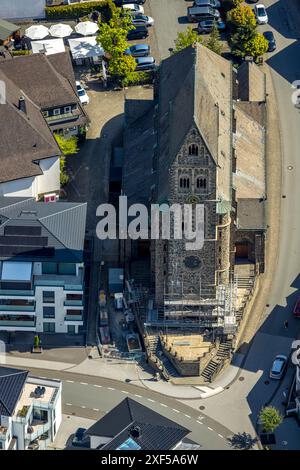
[{"x": 133, "y": 9}]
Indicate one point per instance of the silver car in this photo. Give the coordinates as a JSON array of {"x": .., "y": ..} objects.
[{"x": 278, "y": 367}]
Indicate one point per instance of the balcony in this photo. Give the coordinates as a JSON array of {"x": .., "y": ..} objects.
[
  {"x": 73, "y": 303},
  {"x": 16, "y": 293},
  {"x": 17, "y": 308},
  {"x": 17, "y": 324},
  {"x": 67, "y": 282},
  {"x": 74, "y": 318},
  {"x": 37, "y": 428}
]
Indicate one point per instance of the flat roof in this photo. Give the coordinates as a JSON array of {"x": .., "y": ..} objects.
[{"x": 16, "y": 271}]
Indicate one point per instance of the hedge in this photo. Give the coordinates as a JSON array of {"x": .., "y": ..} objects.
[
  {"x": 21, "y": 52},
  {"x": 74, "y": 11}
]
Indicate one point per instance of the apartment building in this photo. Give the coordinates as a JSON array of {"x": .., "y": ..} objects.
[
  {"x": 41, "y": 265},
  {"x": 30, "y": 410}
]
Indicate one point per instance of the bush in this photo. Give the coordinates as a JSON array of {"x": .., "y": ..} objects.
[
  {"x": 16, "y": 53},
  {"x": 137, "y": 78},
  {"x": 242, "y": 16},
  {"x": 75, "y": 11}
]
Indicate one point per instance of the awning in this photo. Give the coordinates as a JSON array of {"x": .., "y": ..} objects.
[
  {"x": 48, "y": 46},
  {"x": 82, "y": 48}
]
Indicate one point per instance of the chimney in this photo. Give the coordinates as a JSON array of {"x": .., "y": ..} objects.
[{"x": 22, "y": 104}]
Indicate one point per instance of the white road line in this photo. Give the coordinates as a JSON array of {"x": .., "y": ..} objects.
[
  {"x": 165, "y": 406},
  {"x": 124, "y": 391},
  {"x": 96, "y": 409},
  {"x": 136, "y": 395},
  {"x": 83, "y": 383},
  {"x": 150, "y": 399},
  {"x": 42, "y": 377},
  {"x": 209, "y": 428},
  {"x": 176, "y": 411},
  {"x": 199, "y": 422},
  {"x": 98, "y": 386},
  {"x": 220, "y": 435},
  {"x": 69, "y": 404},
  {"x": 83, "y": 406},
  {"x": 70, "y": 381},
  {"x": 110, "y": 388},
  {"x": 188, "y": 416}
]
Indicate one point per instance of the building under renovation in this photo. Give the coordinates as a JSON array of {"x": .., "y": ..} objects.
[{"x": 183, "y": 147}]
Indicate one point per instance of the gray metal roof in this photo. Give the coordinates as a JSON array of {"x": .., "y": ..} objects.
[
  {"x": 62, "y": 224},
  {"x": 7, "y": 29},
  {"x": 11, "y": 385},
  {"x": 156, "y": 431}
]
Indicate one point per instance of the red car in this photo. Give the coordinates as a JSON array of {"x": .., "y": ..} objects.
[{"x": 296, "y": 311}]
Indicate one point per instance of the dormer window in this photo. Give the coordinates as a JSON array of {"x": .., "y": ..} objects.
[
  {"x": 46, "y": 114},
  {"x": 68, "y": 109},
  {"x": 56, "y": 112},
  {"x": 193, "y": 150}
]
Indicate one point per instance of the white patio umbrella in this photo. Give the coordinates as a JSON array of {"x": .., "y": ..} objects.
[
  {"x": 86, "y": 28},
  {"x": 37, "y": 32},
  {"x": 60, "y": 30}
]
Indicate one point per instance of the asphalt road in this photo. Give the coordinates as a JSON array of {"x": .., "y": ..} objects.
[{"x": 92, "y": 397}]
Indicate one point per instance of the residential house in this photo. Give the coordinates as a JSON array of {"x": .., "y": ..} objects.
[
  {"x": 30, "y": 410},
  {"x": 40, "y": 99},
  {"x": 132, "y": 426},
  {"x": 7, "y": 32},
  {"x": 41, "y": 265}
]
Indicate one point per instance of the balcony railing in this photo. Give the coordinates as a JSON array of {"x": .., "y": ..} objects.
[
  {"x": 18, "y": 323},
  {"x": 38, "y": 430},
  {"x": 73, "y": 318},
  {"x": 24, "y": 293},
  {"x": 73, "y": 303},
  {"x": 17, "y": 308}
]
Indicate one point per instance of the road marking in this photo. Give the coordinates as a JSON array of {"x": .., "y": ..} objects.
[
  {"x": 176, "y": 411},
  {"x": 69, "y": 404},
  {"x": 209, "y": 428},
  {"x": 165, "y": 406},
  {"x": 188, "y": 416},
  {"x": 136, "y": 395},
  {"x": 124, "y": 391},
  {"x": 199, "y": 422},
  {"x": 96, "y": 409},
  {"x": 98, "y": 386},
  {"x": 220, "y": 435},
  {"x": 150, "y": 399},
  {"x": 42, "y": 377},
  {"x": 83, "y": 406},
  {"x": 83, "y": 383},
  {"x": 70, "y": 381},
  {"x": 110, "y": 388}
]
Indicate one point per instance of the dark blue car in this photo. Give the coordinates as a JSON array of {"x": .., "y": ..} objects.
[
  {"x": 138, "y": 50},
  {"x": 271, "y": 40}
]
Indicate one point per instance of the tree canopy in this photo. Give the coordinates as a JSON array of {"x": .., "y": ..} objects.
[
  {"x": 185, "y": 39},
  {"x": 270, "y": 418},
  {"x": 242, "y": 15}
]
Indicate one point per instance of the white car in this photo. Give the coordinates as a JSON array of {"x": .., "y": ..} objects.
[
  {"x": 278, "y": 367},
  {"x": 83, "y": 96},
  {"x": 261, "y": 14},
  {"x": 134, "y": 9}
]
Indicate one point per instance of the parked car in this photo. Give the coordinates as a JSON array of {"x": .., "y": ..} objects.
[
  {"x": 139, "y": 32},
  {"x": 197, "y": 14},
  {"x": 140, "y": 20},
  {"x": 207, "y": 3},
  {"x": 83, "y": 96},
  {"x": 138, "y": 50},
  {"x": 133, "y": 9},
  {"x": 261, "y": 14},
  {"x": 207, "y": 26},
  {"x": 278, "y": 367},
  {"x": 80, "y": 439},
  {"x": 145, "y": 63},
  {"x": 296, "y": 311},
  {"x": 271, "y": 39}
]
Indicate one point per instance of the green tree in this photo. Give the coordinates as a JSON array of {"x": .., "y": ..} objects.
[
  {"x": 113, "y": 38},
  {"x": 185, "y": 39},
  {"x": 213, "y": 42},
  {"x": 270, "y": 418},
  {"x": 64, "y": 177},
  {"x": 68, "y": 146},
  {"x": 242, "y": 15},
  {"x": 257, "y": 46},
  {"x": 247, "y": 41}
]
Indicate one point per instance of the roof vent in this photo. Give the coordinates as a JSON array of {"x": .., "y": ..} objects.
[
  {"x": 22, "y": 104},
  {"x": 135, "y": 432}
]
